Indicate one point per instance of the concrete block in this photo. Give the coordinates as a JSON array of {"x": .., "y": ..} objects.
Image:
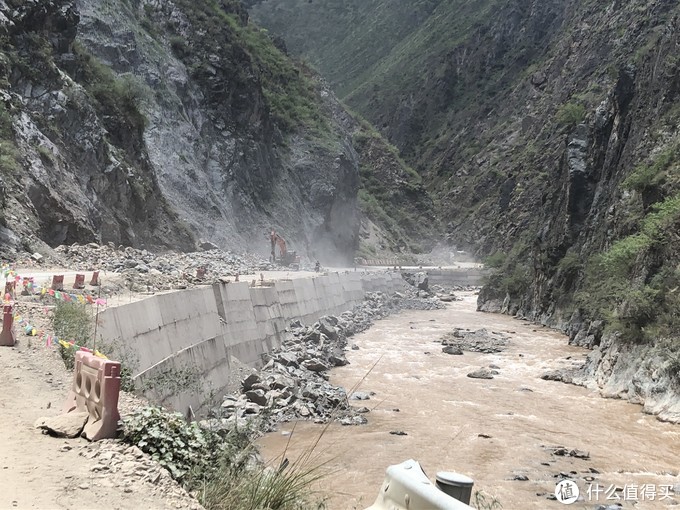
[{"x": 204, "y": 327}]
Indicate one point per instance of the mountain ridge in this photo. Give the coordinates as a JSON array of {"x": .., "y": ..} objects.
[{"x": 546, "y": 134}]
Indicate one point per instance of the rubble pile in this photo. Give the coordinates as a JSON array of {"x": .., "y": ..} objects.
[
  {"x": 481, "y": 340},
  {"x": 420, "y": 281},
  {"x": 146, "y": 271},
  {"x": 293, "y": 384},
  {"x": 448, "y": 294}
]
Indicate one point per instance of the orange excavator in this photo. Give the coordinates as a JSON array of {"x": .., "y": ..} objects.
[{"x": 285, "y": 258}]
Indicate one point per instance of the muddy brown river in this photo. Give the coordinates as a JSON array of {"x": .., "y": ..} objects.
[{"x": 491, "y": 430}]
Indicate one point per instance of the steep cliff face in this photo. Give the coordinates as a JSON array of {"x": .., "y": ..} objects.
[
  {"x": 158, "y": 124},
  {"x": 69, "y": 175},
  {"x": 547, "y": 133},
  {"x": 240, "y": 138}
]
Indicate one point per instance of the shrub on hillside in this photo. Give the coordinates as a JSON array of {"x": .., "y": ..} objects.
[
  {"x": 72, "y": 322},
  {"x": 219, "y": 466},
  {"x": 570, "y": 114}
]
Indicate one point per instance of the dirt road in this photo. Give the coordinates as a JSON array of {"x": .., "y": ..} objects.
[{"x": 39, "y": 471}]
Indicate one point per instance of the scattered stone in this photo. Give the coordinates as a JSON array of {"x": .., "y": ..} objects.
[
  {"x": 450, "y": 349},
  {"x": 287, "y": 359},
  {"x": 562, "y": 451},
  {"x": 149, "y": 272},
  {"x": 355, "y": 347},
  {"x": 398, "y": 433},
  {"x": 315, "y": 365},
  {"x": 553, "y": 375},
  {"x": 360, "y": 395},
  {"x": 207, "y": 246},
  {"x": 65, "y": 425},
  {"x": 338, "y": 361},
  {"x": 252, "y": 408},
  {"x": 419, "y": 280},
  {"x": 476, "y": 341},
  {"x": 447, "y": 298},
  {"x": 257, "y": 396},
  {"x": 353, "y": 420},
  {"x": 520, "y": 478},
  {"x": 485, "y": 436},
  {"x": 482, "y": 373},
  {"x": 248, "y": 382}
]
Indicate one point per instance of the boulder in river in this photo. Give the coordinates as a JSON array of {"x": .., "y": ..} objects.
[{"x": 482, "y": 373}]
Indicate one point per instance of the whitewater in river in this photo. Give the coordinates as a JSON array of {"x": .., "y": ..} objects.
[{"x": 496, "y": 431}]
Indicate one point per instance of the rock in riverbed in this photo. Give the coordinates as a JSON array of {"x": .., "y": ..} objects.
[{"x": 482, "y": 373}]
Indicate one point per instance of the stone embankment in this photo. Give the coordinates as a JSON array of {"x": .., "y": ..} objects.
[{"x": 293, "y": 384}]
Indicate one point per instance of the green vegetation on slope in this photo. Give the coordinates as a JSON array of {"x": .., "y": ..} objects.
[
  {"x": 635, "y": 283},
  {"x": 344, "y": 40},
  {"x": 219, "y": 465},
  {"x": 237, "y": 61},
  {"x": 117, "y": 100},
  {"x": 8, "y": 152},
  {"x": 392, "y": 194}
]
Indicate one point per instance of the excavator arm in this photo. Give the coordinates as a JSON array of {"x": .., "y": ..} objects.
[
  {"x": 285, "y": 258},
  {"x": 276, "y": 239}
]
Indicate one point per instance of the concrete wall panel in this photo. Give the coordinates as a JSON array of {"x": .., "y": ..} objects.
[{"x": 200, "y": 329}]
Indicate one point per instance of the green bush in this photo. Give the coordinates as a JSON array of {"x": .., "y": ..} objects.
[
  {"x": 6, "y": 128},
  {"x": 249, "y": 59},
  {"x": 570, "y": 262},
  {"x": 117, "y": 99},
  {"x": 179, "y": 46},
  {"x": 8, "y": 152},
  {"x": 72, "y": 321},
  {"x": 516, "y": 281},
  {"x": 219, "y": 466},
  {"x": 645, "y": 177},
  {"x": 495, "y": 260},
  {"x": 9, "y": 164},
  {"x": 633, "y": 284},
  {"x": 570, "y": 114},
  {"x": 189, "y": 452}
]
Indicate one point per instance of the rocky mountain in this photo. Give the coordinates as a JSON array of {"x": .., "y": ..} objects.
[
  {"x": 547, "y": 133},
  {"x": 161, "y": 124}
]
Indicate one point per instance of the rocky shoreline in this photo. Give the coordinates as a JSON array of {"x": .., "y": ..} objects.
[{"x": 640, "y": 373}]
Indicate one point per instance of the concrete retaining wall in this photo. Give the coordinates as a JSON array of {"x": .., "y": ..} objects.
[
  {"x": 183, "y": 342},
  {"x": 474, "y": 277}
]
